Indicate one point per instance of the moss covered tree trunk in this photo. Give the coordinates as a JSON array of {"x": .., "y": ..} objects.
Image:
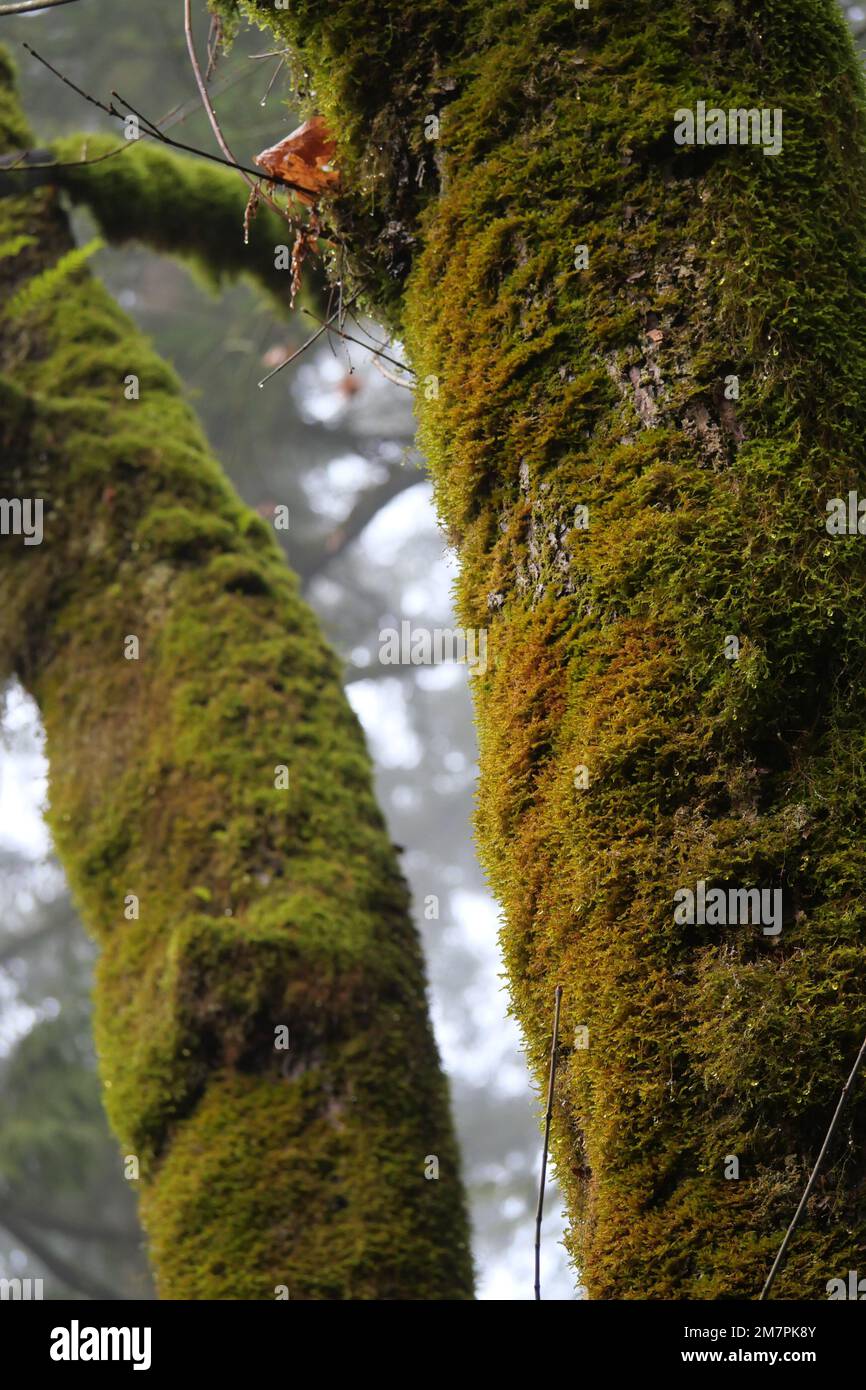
[
  {"x": 261, "y": 1018},
  {"x": 641, "y": 373}
]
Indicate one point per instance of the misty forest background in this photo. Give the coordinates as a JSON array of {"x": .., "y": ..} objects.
[{"x": 332, "y": 438}]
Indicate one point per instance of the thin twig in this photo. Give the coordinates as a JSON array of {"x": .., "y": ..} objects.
[
  {"x": 177, "y": 115},
  {"x": 390, "y": 376},
  {"x": 378, "y": 350},
  {"x": 25, "y": 6},
  {"x": 269, "y": 89},
  {"x": 204, "y": 93},
  {"x": 341, "y": 333},
  {"x": 255, "y": 188},
  {"x": 540, "y": 1211},
  {"x": 151, "y": 127},
  {"x": 167, "y": 139},
  {"x": 213, "y": 42},
  {"x": 296, "y": 354},
  {"x": 777, "y": 1263}
]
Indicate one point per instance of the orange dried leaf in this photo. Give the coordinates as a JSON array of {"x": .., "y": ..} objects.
[{"x": 303, "y": 158}]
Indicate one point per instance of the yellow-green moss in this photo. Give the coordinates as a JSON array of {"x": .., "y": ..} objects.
[
  {"x": 604, "y": 388},
  {"x": 258, "y": 907}
]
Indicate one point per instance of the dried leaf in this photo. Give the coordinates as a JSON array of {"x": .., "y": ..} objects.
[{"x": 304, "y": 158}]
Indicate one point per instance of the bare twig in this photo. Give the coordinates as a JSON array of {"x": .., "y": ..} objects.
[
  {"x": 777, "y": 1263},
  {"x": 391, "y": 376},
  {"x": 547, "y": 1118},
  {"x": 25, "y": 6},
  {"x": 155, "y": 134},
  {"x": 277, "y": 70},
  {"x": 41, "y": 163},
  {"x": 214, "y": 38},
  {"x": 256, "y": 189},
  {"x": 205, "y": 94},
  {"x": 341, "y": 333},
  {"x": 297, "y": 353}
]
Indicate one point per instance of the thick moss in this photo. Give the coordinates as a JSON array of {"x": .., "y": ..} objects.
[
  {"x": 379, "y": 73},
  {"x": 174, "y": 203},
  {"x": 257, "y": 906},
  {"x": 604, "y": 387}
]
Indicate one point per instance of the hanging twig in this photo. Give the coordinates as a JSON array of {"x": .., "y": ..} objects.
[
  {"x": 777, "y": 1263},
  {"x": 205, "y": 94},
  {"x": 214, "y": 38},
  {"x": 540, "y": 1211},
  {"x": 256, "y": 189}
]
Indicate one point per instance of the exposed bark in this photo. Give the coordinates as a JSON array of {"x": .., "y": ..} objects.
[
  {"x": 604, "y": 388},
  {"x": 258, "y": 906}
]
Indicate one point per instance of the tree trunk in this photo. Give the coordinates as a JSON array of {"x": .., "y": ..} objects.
[
  {"x": 210, "y": 799},
  {"x": 640, "y": 386}
]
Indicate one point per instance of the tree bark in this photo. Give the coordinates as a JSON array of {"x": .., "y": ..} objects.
[
  {"x": 555, "y": 388},
  {"x": 211, "y": 802}
]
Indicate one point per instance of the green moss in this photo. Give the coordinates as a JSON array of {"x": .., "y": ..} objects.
[
  {"x": 138, "y": 191},
  {"x": 377, "y": 74},
  {"x": 604, "y": 388},
  {"x": 50, "y": 283},
  {"x": 257, "y": 907}
]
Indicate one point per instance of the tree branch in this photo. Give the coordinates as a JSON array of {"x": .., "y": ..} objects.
[
  {"x": 245, "y": 869},
  {"x": 154, "y": 133},
  {"x": 75, "y": 1230},
  {"x": 25, "y": 6},
  {"x": 72, "y": 1277},
  {"x": 18, "y": 945},
  {"x": 174, "y": 205},
  {"x": 366, "y": 505}
]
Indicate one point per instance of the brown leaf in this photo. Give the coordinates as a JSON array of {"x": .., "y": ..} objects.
[{"x": 303, "y": 158}]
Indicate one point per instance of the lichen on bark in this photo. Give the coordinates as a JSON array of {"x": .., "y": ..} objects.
[
  {"x": 259, "y": 906},
  {"x": 561, "y": 388}
]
